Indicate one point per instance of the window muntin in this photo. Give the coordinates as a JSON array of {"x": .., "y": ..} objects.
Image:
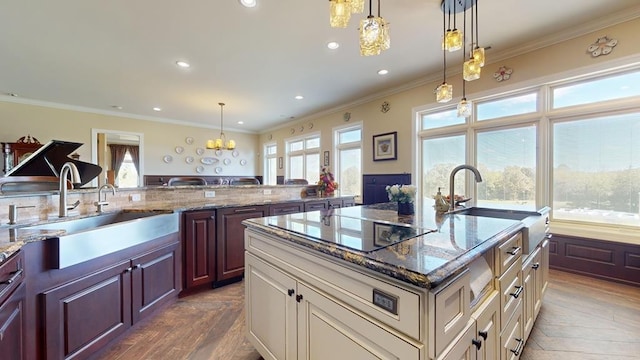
[
  {"x": 507, "y": 163},
  {"x": 596, "y": 170},
  {"x": 597, "y": 90},
  {"x": 510, "y": 106}
]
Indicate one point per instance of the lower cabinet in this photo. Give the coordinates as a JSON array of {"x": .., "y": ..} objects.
[
  {"x": 230, "y": 239},
  {"x": 82, "y": 316},
  {"x": 286, "y": 208},
  {"x": 199, "y": 239},
  {"x": 535, "y": 270},
  {"x": 289, "y": 319},
  {"x": 12, "y": 309}
]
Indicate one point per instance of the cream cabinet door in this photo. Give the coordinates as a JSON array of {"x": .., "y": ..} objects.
[
  {"x": 463, "y": 348},
  {"x": 270, "y": 309},
  {"x": 488, "y": 328},
  {"x": 328, "y": 329}
]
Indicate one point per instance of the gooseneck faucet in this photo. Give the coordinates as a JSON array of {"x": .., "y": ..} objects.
[
  {"x": 100, "y": 203},
  {"x": 452, "y": 200},
  {"x": 67, "y": 169}
]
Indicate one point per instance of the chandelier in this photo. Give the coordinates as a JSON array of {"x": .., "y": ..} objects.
[{"x": 221, "y": 143}]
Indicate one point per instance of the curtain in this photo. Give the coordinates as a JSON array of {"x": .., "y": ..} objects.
[
  {"x": 134, "y": 151},
  {"x": 117, "y": 156}
]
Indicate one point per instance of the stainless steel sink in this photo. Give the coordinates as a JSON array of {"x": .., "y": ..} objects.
[
  {"x": 87, "y": 238},
  {"x": 536, "y": 223}
]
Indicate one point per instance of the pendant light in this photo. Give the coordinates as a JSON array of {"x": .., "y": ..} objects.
[
  {"x": 374, "y": 33},
  {"x": 221, "y": 143},
  {"x": 453, "y": 39},
  {"x": 471, "y": 68},
  {"x": 464, "y": 106},
  {"x": 339, "y": 13},
  {"x": 357, "y": 6},
  {"x": 444, "y": 92},
  {"x": 478, "y": 52}
]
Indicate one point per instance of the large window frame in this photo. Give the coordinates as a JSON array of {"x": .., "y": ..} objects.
[
  {"x": 311, "y": 175},
  {"x": 545, "y": 118},
  {"x": 344, "y": 146},
  {"x": 270, "y": 163}
]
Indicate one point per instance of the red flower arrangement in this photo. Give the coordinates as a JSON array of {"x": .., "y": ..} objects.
[{"x": 327, "y": 182}]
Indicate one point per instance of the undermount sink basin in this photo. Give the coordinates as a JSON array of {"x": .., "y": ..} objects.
[
  {"x": 90, "y": 237},
  {"x": 535, "y": 222}
]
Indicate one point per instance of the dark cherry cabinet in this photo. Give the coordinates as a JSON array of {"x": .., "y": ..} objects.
[
  {"x": 374, "y": 186},
  {"x": 199, "y": 246},
  {"x": 314, "y": 205},
  {"x": 230, "y": 239},
  {"x": 81, "y": 316},
  {"x": 286, "y": 208},
  {"x": 12, "y": 309}
]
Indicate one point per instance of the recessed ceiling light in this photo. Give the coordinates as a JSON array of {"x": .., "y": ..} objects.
[
  {"x": 248, "y": 3},
  {"x": 299, "y": 97},
  {"x": 383, "y": 72},
  {"x": 157, "y": 109},
  {"x": 183, "y": 64},
  {"x": 117, "y": 107},
  {"x": 333, "y": 45},
  {"x": 240, "y": 122}
]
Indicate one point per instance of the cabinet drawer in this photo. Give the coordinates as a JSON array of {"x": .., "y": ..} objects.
[
  {"x": 11, "y": 275},
  {"x": 345, "y": 284},
  {"x": 511, "y": 293},
  {"x": 451, "y": 311},
  {"x": 508, "y": 252},
  {"x": 511, "y": 340},
  {"x": 288, "y": 208}
]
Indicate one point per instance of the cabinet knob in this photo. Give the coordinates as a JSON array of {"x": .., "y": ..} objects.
[
  {"x": 127, "y": 270},
  {"x": 298, "y": 298},
  {"x": 484, "y": 334},
  {"x": 535, "y": 266},
  {"x": 477, "y": 343},
  {"x": 290, "y": 292}
]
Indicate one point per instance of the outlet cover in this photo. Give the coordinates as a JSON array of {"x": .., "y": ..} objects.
[
  {"x": 267, "y": 191},
  {"x": 134, "y": 197},
  {"x": 209, "y": 194}
]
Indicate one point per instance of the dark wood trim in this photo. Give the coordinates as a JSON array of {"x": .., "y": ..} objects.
[{"x": 606, "y": 260}]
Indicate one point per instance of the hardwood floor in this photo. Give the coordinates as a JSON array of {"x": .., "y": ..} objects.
[{"x": 581, "y": 318}]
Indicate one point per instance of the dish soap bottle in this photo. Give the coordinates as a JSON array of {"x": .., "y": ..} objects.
[{"x": 441, "y": 204}]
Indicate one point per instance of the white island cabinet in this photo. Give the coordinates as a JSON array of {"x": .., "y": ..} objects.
[{"x": 309, "y": 299}]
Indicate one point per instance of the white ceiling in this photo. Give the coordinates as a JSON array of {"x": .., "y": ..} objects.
[{"x": 99, "y": 54}]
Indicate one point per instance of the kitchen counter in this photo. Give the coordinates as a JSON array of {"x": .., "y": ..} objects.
[{"x": 443, "y": 244}]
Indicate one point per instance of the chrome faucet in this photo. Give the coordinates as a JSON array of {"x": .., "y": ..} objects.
[
  {"x": 452, "y": 197},
  {"x": 68, "y": 169},
  {"x": 100, "y": 203}
]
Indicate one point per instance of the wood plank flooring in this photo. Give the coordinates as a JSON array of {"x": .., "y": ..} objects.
[{"x": 581, "y": 318}]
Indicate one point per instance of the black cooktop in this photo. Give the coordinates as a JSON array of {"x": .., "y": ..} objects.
[{"x": 354, "y": 233}]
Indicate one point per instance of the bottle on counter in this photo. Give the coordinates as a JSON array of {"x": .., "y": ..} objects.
[{"x": 440, "y": 202}]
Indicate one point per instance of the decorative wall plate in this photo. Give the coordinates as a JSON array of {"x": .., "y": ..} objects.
[
  {"x": 235, "y": 153},
  {"x": 167, "y": 158},
  {"x": 189, "y": 159},
  {"x": 243, "y": 162},
  {"x": 218, "y": 152},
  {"x": 209, "y": 160},
  {"x": 179, "y": 149},
  {"x": 218, "y": 170},
  {"x": 227, "y": 161},
  {"x": 199, "y": 169},
  {"x": 199, "y": 151},
  {"x": 188, "y": 140}
]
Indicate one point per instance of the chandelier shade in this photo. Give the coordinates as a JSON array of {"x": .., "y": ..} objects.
[
  {"x": 357, "y": 6},
  {"x": 471, "y": 70},
  {"x": 374, "y": 33},
  {"x": 221, "y": 143},
  {"x": 444, "y": 93},
  {"x": 339, "y": 13}
]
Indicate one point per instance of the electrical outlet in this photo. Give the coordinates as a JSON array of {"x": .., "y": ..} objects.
[
  {"x": 209, "y": 194},
  {"x": 267, "y": 191},
  {"x": 134, "y": 197}
]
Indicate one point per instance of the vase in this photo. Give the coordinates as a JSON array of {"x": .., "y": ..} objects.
[{"x": 405, "y": 208}]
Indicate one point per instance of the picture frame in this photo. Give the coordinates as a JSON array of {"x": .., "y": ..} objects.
[
  {"x": 385, "y": 146},
  {"x": 381, "y": 234},
  {"x": 326, "y": 158},
  {"x": 280, "y": 162}
]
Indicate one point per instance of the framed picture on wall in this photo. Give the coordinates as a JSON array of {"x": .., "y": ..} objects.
[
  {"x": 280, "y": 162},
  {"x": 326, "y": 158},
  {"x": 385, "y": 146}
]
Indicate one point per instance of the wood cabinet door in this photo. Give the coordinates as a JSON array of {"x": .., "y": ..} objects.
[
  {"x": 199, "y": 248},
  {"x": 328, "y": 329},
  {"x": 12, "y": 321},
  {"x": 82, "y": 316},
  {"x": 286, "y": 208},
  {"x": 488, "y": 329},
  {"x": 270, "y": 309},
  {"x": 155, "y": 280},
  {"x": 230, "y": 239},
  {"x": 529, "y": 275}
]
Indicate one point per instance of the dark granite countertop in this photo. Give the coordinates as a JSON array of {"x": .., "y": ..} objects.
[{"x": 448, "y": 244}]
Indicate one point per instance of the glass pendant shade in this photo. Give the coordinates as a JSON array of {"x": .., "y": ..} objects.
[
  {"x": 339, "y": 13},
  {"x": 444, "y": 93},
  {"x": 471, "y": 70},
  {"x": 357, "y": 6},
  {"x": 478, "y": 56},
  {"x": 453, "y": 40},
  {"x": 385, "y": 39},
  {"x": 464, "y": 108},
  {"x": 371, "y": 33}
]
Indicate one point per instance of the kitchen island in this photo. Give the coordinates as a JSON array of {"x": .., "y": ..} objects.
[{"x": 365, "y": 283}]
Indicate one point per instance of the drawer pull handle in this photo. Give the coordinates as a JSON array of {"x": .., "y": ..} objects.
[
  {"x": 518, "y": 292},
  {"x": 290, "y": 292},
  {"x": 518, "y": 348},
  {"x": 16, "y": 275},
  {"x": 128, "y": 270},
  {"x": 298, "y": 298},
  {"x": 484, "y": 334},
  {"x": 535, "y": 266},
  {"x": 244, "y": 210},
  {"x": 549, "y": 236},
  {"x": 514, "y": 250},
  {"x": 477, "y": 343}
]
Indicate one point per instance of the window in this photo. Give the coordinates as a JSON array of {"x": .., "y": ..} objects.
[
  {"x": 127, "y": 175},
  {"x": 590, "y": 167},
  {"x": 270, "y": 164},
  {"x": 348, "y": 169},
  {"x": 303, "y": 158}
]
